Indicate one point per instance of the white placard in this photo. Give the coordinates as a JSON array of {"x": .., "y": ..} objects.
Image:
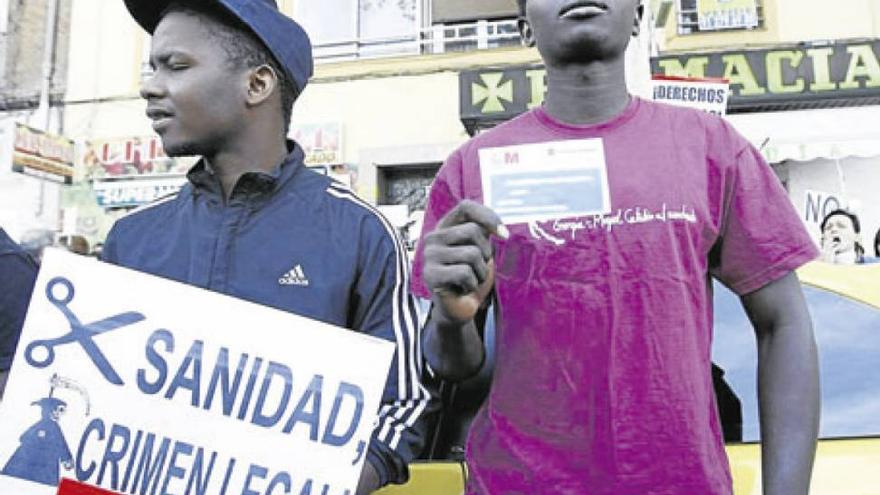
[
  {"x": 142, "y": 385},
  {"x": 544, "y": 181}
]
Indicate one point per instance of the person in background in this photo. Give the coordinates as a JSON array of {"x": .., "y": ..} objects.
[
  {"x": 252, "y": 221},
  {"x": 76, "y": 244},
  {"x": 18, "y": 273},
  {"x": 841, "y": 238},
  {"x": 602, "y": 379},
  {"x": 877, "y": 244}
]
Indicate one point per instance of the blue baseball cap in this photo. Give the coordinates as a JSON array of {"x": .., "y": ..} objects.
[{"x": 285, "y": 39}]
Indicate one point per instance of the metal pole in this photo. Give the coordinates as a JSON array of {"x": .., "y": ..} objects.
[
  {"x": 44, "y": 114},
  {"x": 48, "y": 63}
]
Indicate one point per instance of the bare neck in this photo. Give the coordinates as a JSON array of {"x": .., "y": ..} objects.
[
  {"x": 586, "y": 93},
  {"x": 256, "y": 149}
]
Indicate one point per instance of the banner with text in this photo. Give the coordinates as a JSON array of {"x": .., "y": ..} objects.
[
  {"x": 135, "y": 192},
  {"x": 137, "y": 384},
  {"x": 727, "y": 14},
  {"x": 37, "y": 153},
  {"x": 136, "y": 156},
  {"x": 322, "y": 143},
  {"x": 708, "y": 95}
]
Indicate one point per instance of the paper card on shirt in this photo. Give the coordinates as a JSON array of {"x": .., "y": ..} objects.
[
  {"x": 544, "y": 181},
  {"x": 138, "y": 384}
]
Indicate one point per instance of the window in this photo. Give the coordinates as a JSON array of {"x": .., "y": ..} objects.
[
  {"x": 849, "y": 349},
  {"x": 348, "y": 29},
  {"x": 695, "y": 16},
  {"x": 341, "y": 29},
  {"x": 456, "y": 11}
]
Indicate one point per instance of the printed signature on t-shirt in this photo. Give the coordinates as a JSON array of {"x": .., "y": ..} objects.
[{"x": 609, "y": 221}]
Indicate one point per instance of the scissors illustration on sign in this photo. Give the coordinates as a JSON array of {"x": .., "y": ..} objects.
[{"x": 84, "y": 334}]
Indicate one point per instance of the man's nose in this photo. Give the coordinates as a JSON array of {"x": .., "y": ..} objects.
[{"x": 152, "y": 87}]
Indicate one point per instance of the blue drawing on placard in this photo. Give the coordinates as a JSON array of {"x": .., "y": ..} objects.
[
  {"x": 42, "y": 448},
  {"x": 81, "y": 333}
]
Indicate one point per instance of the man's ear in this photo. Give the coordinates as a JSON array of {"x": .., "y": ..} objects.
[
  {"x": 637, "y": 22},
  {"x": 526, "y": 33},
  {"x": 261, "y": 82}
]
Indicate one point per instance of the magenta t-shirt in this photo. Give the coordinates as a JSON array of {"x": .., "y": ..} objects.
[{"x": 602, "y": 382}]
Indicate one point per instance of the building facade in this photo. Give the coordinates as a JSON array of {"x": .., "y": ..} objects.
[
  {"x": 399, "y": 84},
  {"x": 804, "y": 82},
  {"x": 34, "y": 43}
]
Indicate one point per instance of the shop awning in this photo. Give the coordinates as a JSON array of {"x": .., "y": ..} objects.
[{"x": 805, "y": 135}]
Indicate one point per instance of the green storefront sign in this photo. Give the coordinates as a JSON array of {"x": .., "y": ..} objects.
[
  {"x": 795, "y": 76},
  {"x": 803, "y": 75}
]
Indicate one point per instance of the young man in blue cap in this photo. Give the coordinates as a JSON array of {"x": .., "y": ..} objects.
[
  {"x": 602, "y": 380},
  {"x": 253, "y": 221},
  {"x": 18, "y": 272}
]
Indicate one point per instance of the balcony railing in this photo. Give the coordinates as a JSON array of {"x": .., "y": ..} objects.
[{"x": 439, "y": 38}]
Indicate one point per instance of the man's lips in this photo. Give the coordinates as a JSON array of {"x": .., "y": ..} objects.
[
  {"x": 582, "y": 9},
  {"x": 160, "y": 117},
  {"x": 155, "y": 113}
]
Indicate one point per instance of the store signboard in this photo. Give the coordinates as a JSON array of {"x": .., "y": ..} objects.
[
  {"x": 136, "y": 156},
  {"x": 708, "y": 95},
  {"x": 807, "y": 75},
  {"x": 135, "y": 192},
  {"x": 322, "y": 143},
  {"x": 117, "y": 384},
  {"x": 727, "y": 14},
  {"x": 37, "y": 153}
]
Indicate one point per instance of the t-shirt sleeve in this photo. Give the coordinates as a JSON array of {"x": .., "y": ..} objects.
[
  {"x": 445, "y": 194},
  {"x": 761, "y": 238}
]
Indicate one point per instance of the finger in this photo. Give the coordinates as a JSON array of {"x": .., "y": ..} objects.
[
  {"x": 464, "y": 307},
  {"x": 457, "y": 279},
  {"x": 468, "y": 234},
  {"x": 456, "y": 255},
  {"x": 471, "y": 211}
]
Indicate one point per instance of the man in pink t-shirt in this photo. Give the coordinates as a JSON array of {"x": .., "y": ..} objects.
[{"x": 602, "y": 379}]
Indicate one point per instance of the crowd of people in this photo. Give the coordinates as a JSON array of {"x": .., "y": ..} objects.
[{"x": 603, "y": 381}]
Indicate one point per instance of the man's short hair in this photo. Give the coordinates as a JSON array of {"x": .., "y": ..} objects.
[
  {"x": 857, "y": 228},
  {"x": 877, "y": 244},
  {"x": 852, "y": 216},
  {"x": 242, "y": 46}
]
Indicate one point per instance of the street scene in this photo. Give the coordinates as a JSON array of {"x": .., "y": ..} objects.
[{"x": 439, "y": 247}]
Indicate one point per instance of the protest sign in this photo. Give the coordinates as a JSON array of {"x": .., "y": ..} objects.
[{"x": 137, "y": 384}]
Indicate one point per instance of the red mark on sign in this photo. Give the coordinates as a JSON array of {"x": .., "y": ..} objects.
[{"x": 70, "y": 487}]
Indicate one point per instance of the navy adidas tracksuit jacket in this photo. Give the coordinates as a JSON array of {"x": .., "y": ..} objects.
[
  {"x": 298, "y": 241},
  {"x": 18, "y": 272}
]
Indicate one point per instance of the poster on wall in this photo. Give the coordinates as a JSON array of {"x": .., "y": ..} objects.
[
  {"x": 39, "y": 154},
  {"x": 137, "y": 156},
  {"x": 113, "y": 385},
  {"x": 322, "y": 143},
  {"x": 706, "y": 94},
  {"x": 727, "y": 14}
]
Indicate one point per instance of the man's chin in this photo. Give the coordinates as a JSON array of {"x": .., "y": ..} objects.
[{"x": 178, "y": 149}]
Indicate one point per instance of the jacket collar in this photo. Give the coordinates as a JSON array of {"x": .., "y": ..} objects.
[{"x": 251, "y": 186}]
